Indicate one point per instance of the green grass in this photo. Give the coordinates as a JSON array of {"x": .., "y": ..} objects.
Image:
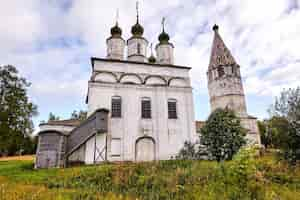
[{"x": 260, "y": 178}]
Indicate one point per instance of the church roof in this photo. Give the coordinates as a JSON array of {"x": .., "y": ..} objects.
[
  {"x": 220, "y": 54},
  {"x": 68, "y": 122}
]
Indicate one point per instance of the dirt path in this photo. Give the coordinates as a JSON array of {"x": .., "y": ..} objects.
[{"x": 27, "y": 157}]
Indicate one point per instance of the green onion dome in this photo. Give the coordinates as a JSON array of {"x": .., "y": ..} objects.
[
  {"x": 163, "y": 37},
  {"x": 137, "y": 30},
  {"x": 151, "y": 59},
  {"x": 116, "y": 31}
]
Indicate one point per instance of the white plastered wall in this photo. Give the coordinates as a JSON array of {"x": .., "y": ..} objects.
[{"x": 168, "y": 134}]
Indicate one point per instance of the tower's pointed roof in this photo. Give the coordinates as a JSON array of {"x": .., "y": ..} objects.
[{"x": 220, "y": 54}]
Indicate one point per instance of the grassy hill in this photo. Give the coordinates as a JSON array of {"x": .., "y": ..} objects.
[{"x": 243, "y": 178}]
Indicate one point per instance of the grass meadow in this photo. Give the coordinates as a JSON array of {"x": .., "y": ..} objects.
[{"x": 263, "y": 177}]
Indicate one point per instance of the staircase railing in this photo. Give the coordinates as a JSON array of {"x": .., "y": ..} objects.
[{"x": 95, "y": 123}]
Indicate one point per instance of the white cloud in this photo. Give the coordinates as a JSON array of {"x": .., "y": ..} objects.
[
  {"x": 19, "y": 24},
  {"x": 262, "y": 36}
]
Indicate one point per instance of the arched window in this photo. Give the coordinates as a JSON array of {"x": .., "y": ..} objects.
[
  {"x": 220, "y": 71},
  {"x": 233, "y": 68},
  {"x": 172, "y": 109},
  {"x": 138, "y": 48},
  {"x": 116, "y": 106},
  {"x": 146, "y": 108}
]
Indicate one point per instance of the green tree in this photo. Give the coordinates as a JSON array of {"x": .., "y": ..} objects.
[
  {"x": 223, "y": 134},
  {"x": 16, "y": 112},
  {"x": 53, "y": 117},
  {"x": 287, "y": 106},
  {"x": 273, "y": 132},
  {"x": 81, "y": 115}
]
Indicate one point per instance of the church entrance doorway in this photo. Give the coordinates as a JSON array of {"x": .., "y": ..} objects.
[{"x": 145, "y": 149}]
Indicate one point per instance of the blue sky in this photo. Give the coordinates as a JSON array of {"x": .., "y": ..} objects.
[{"x": 51, "y": 43}]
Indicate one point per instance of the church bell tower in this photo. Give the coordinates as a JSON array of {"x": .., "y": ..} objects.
[
  {"x": 225, "y": 86},
  {"x": 224, "y": 79}
]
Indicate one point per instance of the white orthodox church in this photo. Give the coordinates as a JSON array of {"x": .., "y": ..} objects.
[{"x": 141, "y": 108}]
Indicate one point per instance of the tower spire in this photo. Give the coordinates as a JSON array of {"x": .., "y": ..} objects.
[
  {"x": 116, "y": 31},
  {"x": 151, "y": 48},
  {"x": 137, "y": 45},
  {"x": 117, "y": 17},
  {"x": 163, "y": 24},
  {"x": 163, "y": 37},
  {"x": 137, "y": 11},
  {"x": 137, "y": 29},
  {"x": 220, "y": 54}
]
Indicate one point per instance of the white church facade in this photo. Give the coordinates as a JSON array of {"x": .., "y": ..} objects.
[{"x": 141, "y": 108}]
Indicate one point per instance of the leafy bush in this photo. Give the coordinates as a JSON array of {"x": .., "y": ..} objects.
[
  {"x": 188, "y": 152},
  {"x": 193, "y": 151},
  {"x": 223, "y": 134},
  {"x": 237, "y": 179}
]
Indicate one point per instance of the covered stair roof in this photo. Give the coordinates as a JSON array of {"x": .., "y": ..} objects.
[{"x": 95, "y": 123}]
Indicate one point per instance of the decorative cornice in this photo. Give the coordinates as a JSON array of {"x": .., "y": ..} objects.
[
  {"x": 93, "y": 59},
  {"x": 140, "y": 55},
  {"x": 213, "y": 98},
  {"x": 115, "y": 37},
  {"x": 166, "y": 43},
  {"x": 137, "y": 86}
]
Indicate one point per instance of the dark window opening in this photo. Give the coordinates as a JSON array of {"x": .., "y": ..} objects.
[
  {"x": 116, "y": 106},
  {"x": 139, "y": 48},
  {"x": 221, "y": 71},
  {"x": 172, "y": 109},
  {"x": 210, "y": 75},
  {"x": 146, "y": 108},
  {"x": 234, "y": 70}
]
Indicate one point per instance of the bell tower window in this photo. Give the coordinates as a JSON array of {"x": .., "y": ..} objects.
[
  {"x": 221, "y": 71},
  {"x": 139, "y": 48}
]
